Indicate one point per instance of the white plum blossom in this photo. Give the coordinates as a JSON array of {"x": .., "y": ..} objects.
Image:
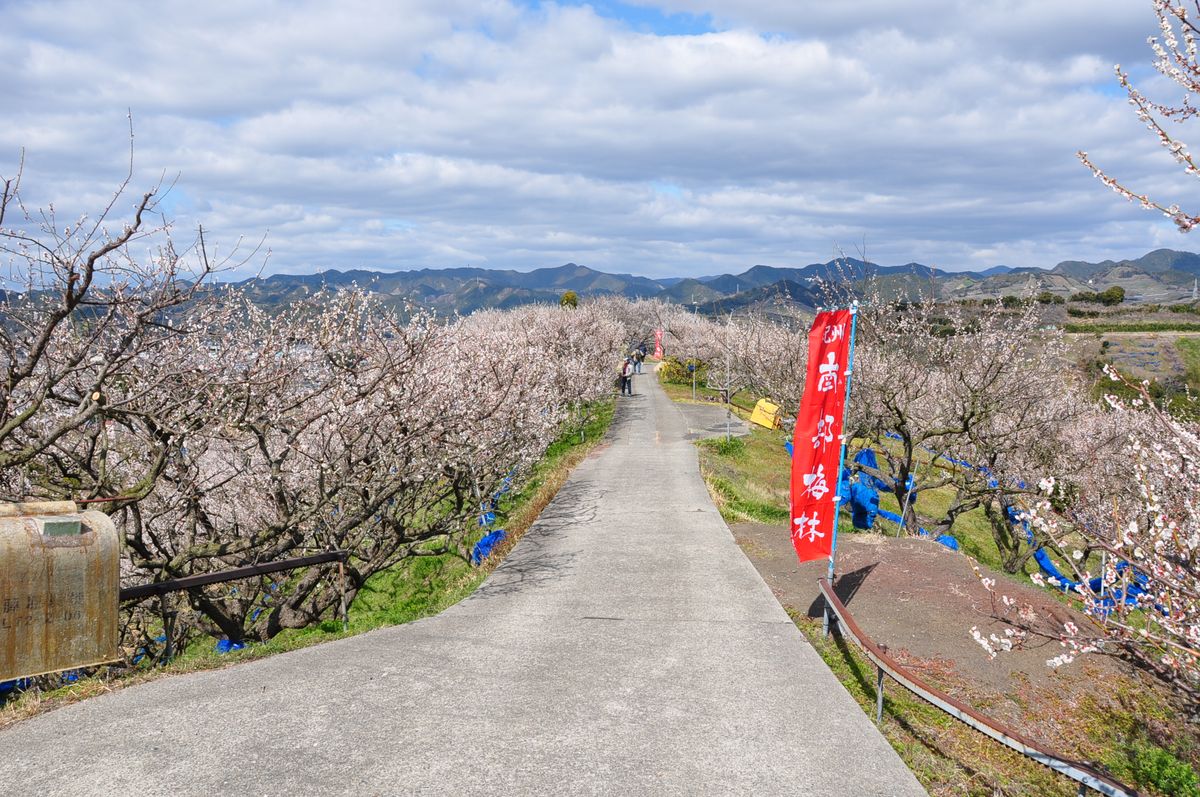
[{"x": 1178, "y": 63}]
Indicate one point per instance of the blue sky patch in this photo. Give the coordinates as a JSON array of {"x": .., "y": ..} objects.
[
  {"x": 644, "y": 19},
  {"x": 667, "y": 189}
]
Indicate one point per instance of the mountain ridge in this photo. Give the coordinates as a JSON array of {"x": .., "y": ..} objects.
[{"x": 1159, "y": 275}]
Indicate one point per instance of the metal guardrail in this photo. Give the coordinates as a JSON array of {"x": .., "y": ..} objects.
[
  {"x": 1085, "y": 774},
  {"x": 162, "y": 588},
  {"x": 188, "y": 582}
]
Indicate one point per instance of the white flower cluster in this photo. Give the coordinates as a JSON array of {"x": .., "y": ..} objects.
[{"x": 995, "y": 643}]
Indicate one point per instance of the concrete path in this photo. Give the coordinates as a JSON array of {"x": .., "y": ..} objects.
[{"x": 625, "y": 647}]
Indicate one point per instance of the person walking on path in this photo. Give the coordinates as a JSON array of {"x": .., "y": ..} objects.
[
  {"x": 638, "y": 356},
  {"x": 627, "y": 377}
]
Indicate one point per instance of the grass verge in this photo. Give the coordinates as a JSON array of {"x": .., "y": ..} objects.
[
  {"x": 677, "y": 391},
  {"x": 746, "y": 477},
  {"x": 417, "y": 587},
  {"x": 946, "y": 756}
]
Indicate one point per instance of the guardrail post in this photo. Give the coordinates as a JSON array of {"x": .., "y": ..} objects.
[
  {"x": 878, "y": 695},
  {"x": 168, "y": 619},
  {"x": 342, "y": 587},
  {"x": 827, "y": 616}
]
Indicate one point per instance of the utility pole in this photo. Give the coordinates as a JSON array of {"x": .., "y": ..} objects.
[{"x": 728, "y": 376}]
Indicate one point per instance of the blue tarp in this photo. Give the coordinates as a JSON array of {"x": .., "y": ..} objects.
[
  {"x": 864, "y": 499},
  {"x": 864, "y": 505},
  {"x": 8, "y": 688},
  {"x": 1096, "y": 585},
  {"x": 864, "y": 508},
  {"x": 867, "y": 458},
  {"x": 948, "y": 540},
  {"x": 863, "y": 495},
  {"x": 483, "y": 548},
  {"x": 224, "y": 646}
]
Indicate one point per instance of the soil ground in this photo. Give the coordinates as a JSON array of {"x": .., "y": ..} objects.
[{"x": 919, "y": 600}]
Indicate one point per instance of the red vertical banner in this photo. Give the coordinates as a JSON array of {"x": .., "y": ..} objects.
[
  {"x": 817, "y": 443},
  {"x": 658, "y": 349}
]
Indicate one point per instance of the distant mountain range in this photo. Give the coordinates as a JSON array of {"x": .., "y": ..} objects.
[{"x": 1160, "y": 276}]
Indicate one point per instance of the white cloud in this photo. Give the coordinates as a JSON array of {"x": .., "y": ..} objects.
[{"x": 388, "y": 135}]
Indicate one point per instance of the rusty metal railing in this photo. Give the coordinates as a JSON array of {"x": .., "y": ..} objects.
[
  {"x": 249, "y": 571},
  {"x": 162, "y": 588},
  {"x": 1087, "y": 776}
]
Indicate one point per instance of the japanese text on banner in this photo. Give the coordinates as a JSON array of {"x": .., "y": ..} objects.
[{"x": 817, "y": 443}]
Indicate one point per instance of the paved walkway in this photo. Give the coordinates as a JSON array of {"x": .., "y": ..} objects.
[{"x": 625, "y": 647}]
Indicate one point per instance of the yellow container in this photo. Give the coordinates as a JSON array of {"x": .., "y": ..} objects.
[{"x": 766, "y": 414}]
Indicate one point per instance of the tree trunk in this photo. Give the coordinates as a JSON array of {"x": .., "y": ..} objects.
[{"x": 1006, "y": 535}]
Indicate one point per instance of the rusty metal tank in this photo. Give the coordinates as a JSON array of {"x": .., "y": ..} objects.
[{"x": 59, "y": 588}]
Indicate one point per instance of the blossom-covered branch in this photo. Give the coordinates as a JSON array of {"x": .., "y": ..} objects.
[{"x": 1175, "y": 53}]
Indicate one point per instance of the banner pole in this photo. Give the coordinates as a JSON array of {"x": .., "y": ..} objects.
[{"x": 840, "y": 499}]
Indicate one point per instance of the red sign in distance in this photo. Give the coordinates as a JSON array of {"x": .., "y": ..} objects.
[
  {"x": 658, "y": 349},
  {"x": 817, "y": 443}
]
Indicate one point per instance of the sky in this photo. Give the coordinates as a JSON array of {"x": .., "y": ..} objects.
[{"x": 668, "y": 138}]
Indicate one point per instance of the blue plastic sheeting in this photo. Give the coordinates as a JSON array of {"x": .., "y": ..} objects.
[
  {"x": 960, "y": 462},
  {"x": 489, "y": 506},
  {"x": 224, "y": 646},
  {"x": 863, "y": 496},
  {"x": 864, "y": 509},
  {"x": 892, "y": 516},
  {"x": 1096, "y": 585},
  {"x": 483, "y": 548},
  {"x": 8, "y": 688},
  {"x": 1040, "y": 556},
  {"x": 867, "y": 458},
  {"x": 266, "y": 600},
  {"x": 864, "y": 505},
  {"x": 947, "y": 540},
  {"x": 140, "y": 653}
]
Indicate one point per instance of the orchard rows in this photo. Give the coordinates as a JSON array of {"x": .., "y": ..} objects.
[{"x": 224, "y": 434}]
